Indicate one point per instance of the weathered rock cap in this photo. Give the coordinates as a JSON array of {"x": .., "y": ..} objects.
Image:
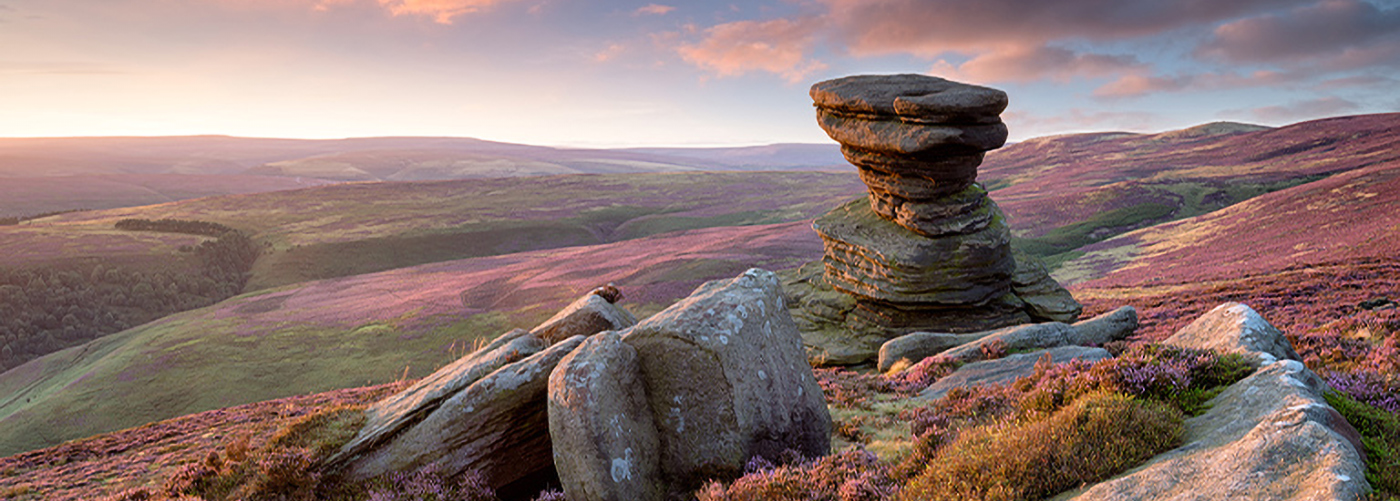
[{"x": 913, "y": 97}]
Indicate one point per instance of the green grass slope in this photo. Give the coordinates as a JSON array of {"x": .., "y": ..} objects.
[
  {"x": 357, "y": 228},
  {"x": 357, "y": 330}
]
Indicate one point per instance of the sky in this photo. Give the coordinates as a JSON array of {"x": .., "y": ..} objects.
[{"x": 610, "y": 73}]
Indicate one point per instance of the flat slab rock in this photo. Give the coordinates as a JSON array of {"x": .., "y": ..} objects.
[
  {"x": 909, "y": 95},
  {"x": 1007, "y": 369}
]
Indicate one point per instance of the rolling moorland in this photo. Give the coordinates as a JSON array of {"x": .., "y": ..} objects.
[
  {"x": 46, "y": 175},
  {"x": 1299, "y": 222}
]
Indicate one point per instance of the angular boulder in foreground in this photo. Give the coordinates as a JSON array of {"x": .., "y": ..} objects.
[
  {"x": 605, "y": 442},
  {"x": 499, "y": 426},
  {"x": 726, "y": 379},
  {"x": 418, "y": 425}
]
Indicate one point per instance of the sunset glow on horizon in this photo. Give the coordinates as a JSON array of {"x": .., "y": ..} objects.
[{"x": 652, "y": 73}]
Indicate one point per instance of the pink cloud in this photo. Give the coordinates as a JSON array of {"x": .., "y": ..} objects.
[
  {"x": 778, "y": 46},
  {"x": 653, "y": 10},
  {"x": 933, "y": 27},
  {"x": 1134, "y": 84},
  {"x": 1029, "y": 63},
  {"x": 1026, "y": 125},
  {"x": 1359, "y": 30},
  {"x": 442, "y": 11},
  {"x": 1301, "y": 110}
]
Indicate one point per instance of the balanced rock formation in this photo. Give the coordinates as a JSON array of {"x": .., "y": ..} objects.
[
  {"x": 485, "y": 411},
  {"x": 689, "y": 394},
  {"x": 927, "y": 249}
]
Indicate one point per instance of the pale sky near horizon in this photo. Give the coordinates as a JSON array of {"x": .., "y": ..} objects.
[{"x": 642, "y": 73}]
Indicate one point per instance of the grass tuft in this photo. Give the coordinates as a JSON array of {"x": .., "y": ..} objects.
[{"x": 1082, "y": 443}]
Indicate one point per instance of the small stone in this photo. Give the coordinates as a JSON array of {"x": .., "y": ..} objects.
[
  {"x": 916, "y": 346},
  {"x": 588, "y": 315}
]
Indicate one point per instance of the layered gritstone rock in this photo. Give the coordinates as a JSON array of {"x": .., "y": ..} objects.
[{"x": 926, "y": 249}]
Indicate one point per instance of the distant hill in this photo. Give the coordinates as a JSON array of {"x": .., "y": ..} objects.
[
  {"x": 29, "y": 196},
  {"x": 375, "y": 159},
  {"x": 1065, "y": 192}
]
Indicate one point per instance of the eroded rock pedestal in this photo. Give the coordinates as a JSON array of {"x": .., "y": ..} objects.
[{"x": 927, "y": 249}]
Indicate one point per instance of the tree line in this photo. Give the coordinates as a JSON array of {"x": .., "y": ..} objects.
[{"x": 46, "y": 309}]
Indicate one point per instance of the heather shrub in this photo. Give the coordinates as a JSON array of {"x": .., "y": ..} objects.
[
  {"x": 922, "y": 374},
  {"x": 1087, "y": 441},
  {"x": 552, "y": 495},
  {"x": 1380, "y": 437},
  {"x": 1379, "y": 390},
  {"x": 1184, "y": 378},
  {"x": 430, "y": 484},
  {"x": 285, "y": 473},
  {"x": 190, "y": 479},
  {"x": 855, "y": 475}
]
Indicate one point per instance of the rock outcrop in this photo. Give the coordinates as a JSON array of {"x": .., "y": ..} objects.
[
  {"x": 1236, "y": 328},
  {"x": 927, "y": 249},
  {"x": 1112, "y": 326},
  {"x": 724, "y": 379},
  {"x": 1270, "y": 436},
  {"x": 464, "y": 415}
]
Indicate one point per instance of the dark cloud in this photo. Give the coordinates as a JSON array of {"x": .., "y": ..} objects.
[
  {"x": 931, "y": 27},
  {"x": 1358, "y": 33}
]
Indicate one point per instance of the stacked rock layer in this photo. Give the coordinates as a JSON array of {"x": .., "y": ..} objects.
[{"x": 927, "y": 249}]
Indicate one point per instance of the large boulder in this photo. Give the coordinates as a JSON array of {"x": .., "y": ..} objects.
[
  {"x": 1268, "y": 437},
  {"x": 726, "y": 379},
  {"x": 401, "y": 414},
  {"x": 498, "y": 425},
  {"x": 1236, "y": 328},
  {"x": 910, "y": 114},
  {"x": 396, "y": 412},
  {"x": 605, "y": 441}
]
